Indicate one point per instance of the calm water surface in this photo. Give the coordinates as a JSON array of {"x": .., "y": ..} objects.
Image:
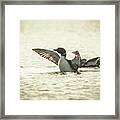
[{"x": 40, "y": 79}]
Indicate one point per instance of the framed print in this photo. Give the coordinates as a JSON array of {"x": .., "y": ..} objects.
[{"x": 59, "y": 59}]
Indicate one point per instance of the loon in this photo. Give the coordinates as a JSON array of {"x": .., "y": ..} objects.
[
  {"x": 64, "y": 64},
  {"x": 94, "y": 62},
  {"x": 77, "y": 59}
]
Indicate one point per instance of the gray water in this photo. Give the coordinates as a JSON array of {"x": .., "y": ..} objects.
[{"x": 40, "y": 79}]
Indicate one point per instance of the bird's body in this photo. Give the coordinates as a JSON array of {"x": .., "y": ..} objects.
[
  {"x": 77, "y": 58},
  {"x": 64, "y": 65},
  {"x": 76, "y": 62}
]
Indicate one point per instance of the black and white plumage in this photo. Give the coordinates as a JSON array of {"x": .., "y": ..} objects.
[{"x": 64, "y": 64}]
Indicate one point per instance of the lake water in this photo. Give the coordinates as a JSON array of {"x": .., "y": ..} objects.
[{"x": 40, "y": 79}]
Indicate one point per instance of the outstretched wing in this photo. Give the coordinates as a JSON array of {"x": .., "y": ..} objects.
[
  {"x": 76, "y": 63},
  {"x": 83, "y": 61},
  {"x": 48, "y": 54},
  {"x": 94, "y": 62}
]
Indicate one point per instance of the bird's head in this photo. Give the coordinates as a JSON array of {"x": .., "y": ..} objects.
[
  {"x": 76, "y": 53},
  {"x": 61, "y": 51}
]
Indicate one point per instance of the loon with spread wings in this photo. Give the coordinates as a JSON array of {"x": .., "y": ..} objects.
[{"x": 64, "y": 64}]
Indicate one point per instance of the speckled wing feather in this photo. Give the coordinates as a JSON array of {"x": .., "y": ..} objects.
[{"x": 48, "y": 54}]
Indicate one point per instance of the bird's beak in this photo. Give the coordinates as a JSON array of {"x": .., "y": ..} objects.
[
  {"x": 33, "y": 49},
  {"x": 55, "y": 49},
  {"x": 73, "y": 52}
]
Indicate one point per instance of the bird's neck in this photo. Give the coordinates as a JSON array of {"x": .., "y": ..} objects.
[
  {"x": 63, "y": 55},
  {"x": 77, "y": 57}
]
